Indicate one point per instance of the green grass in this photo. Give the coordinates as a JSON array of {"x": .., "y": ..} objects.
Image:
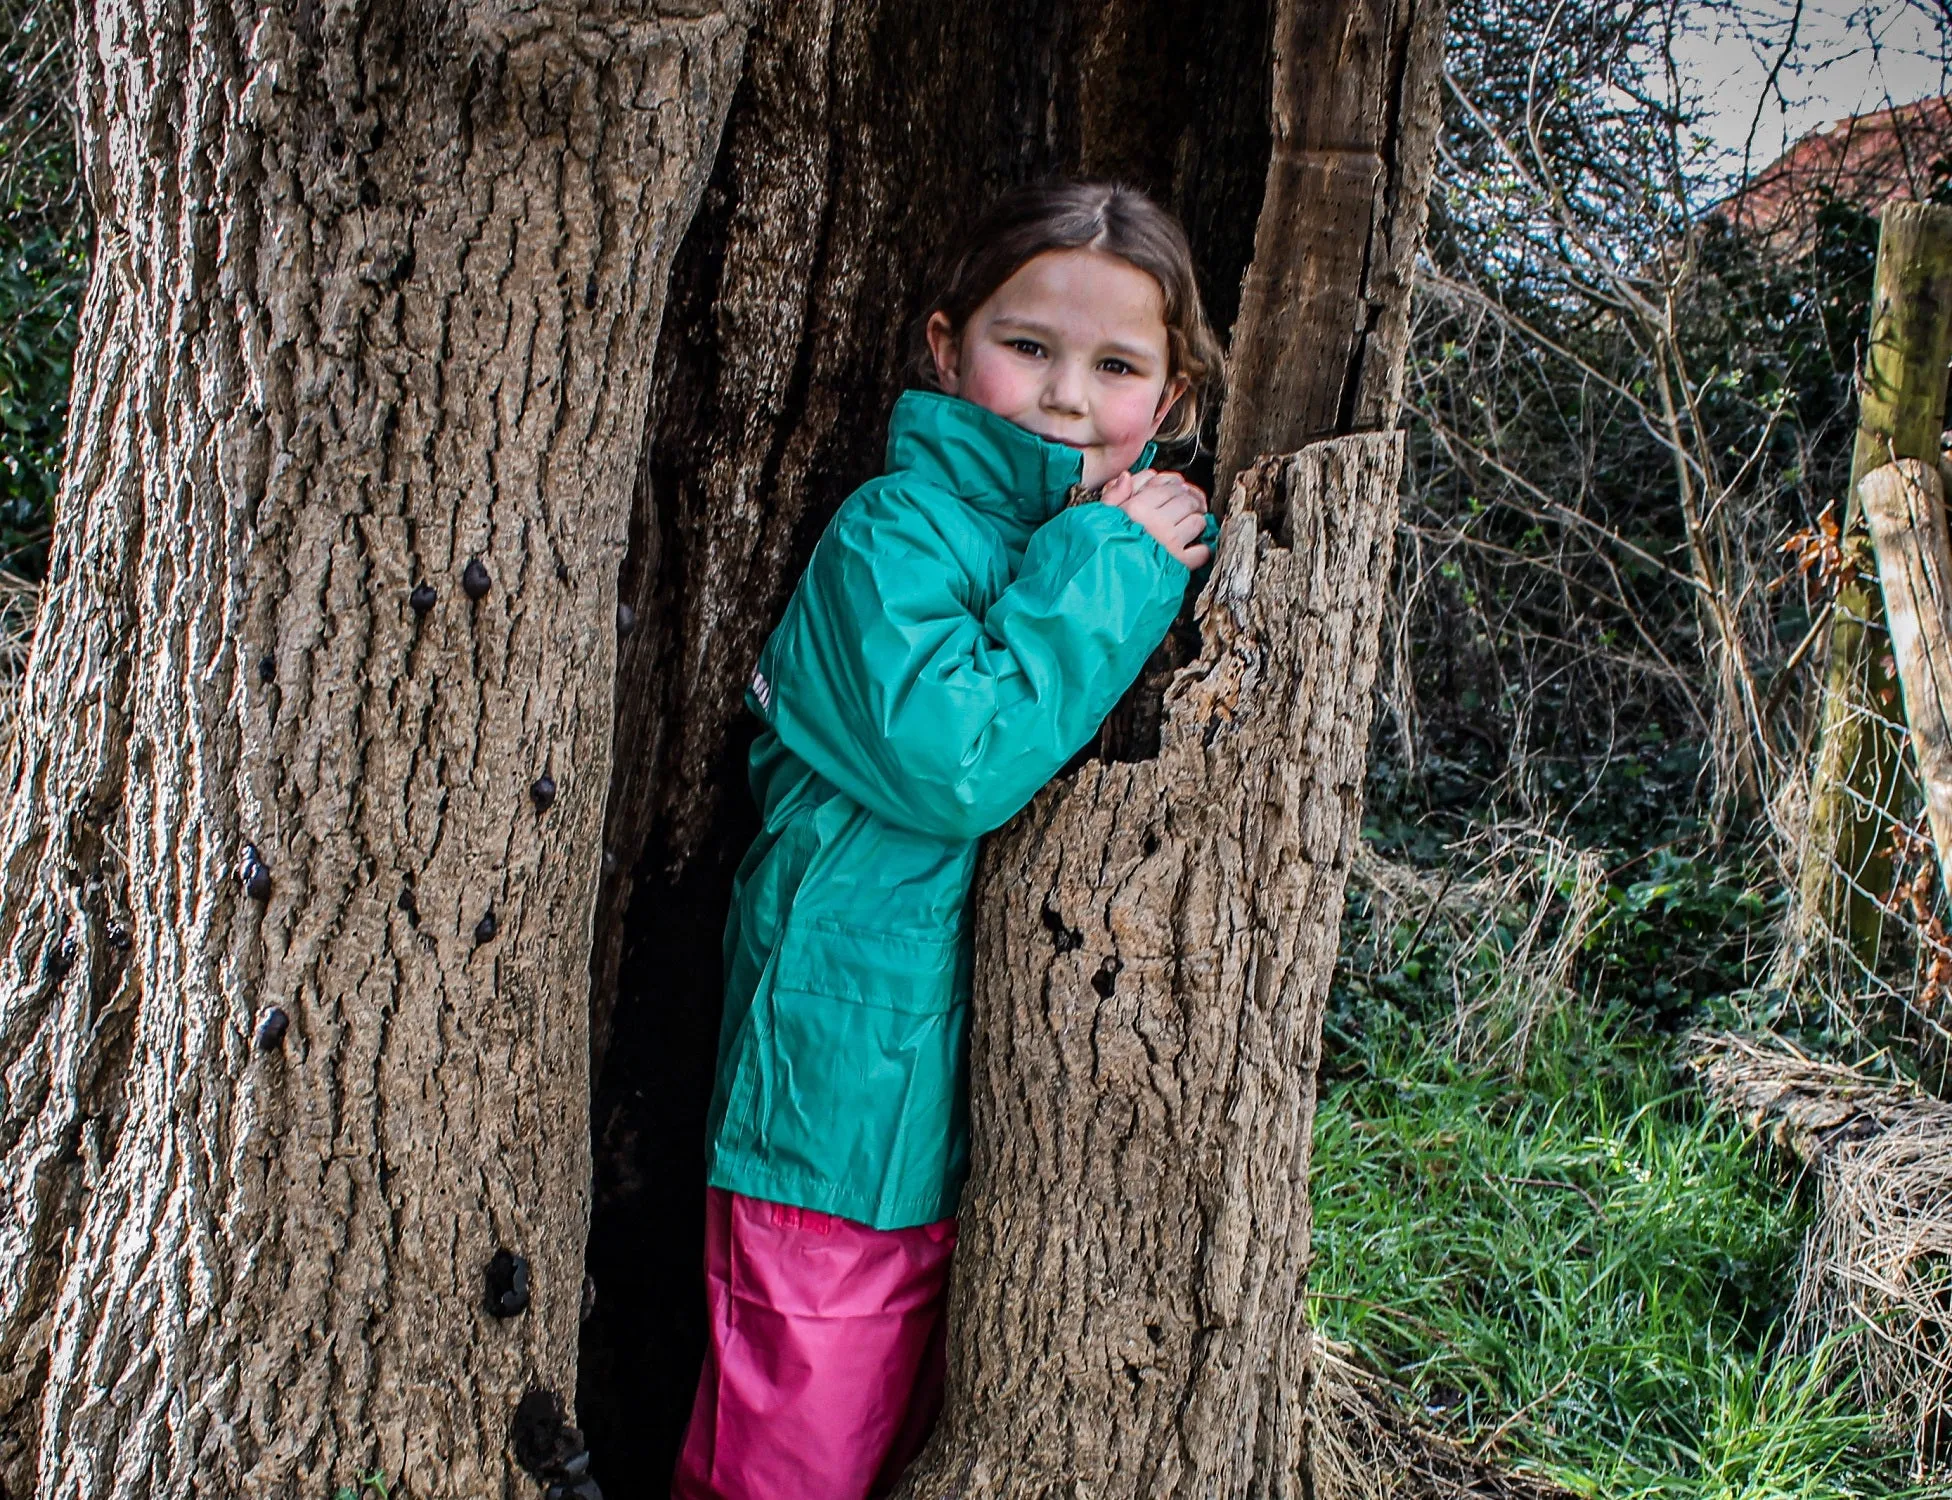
[{"x": 1581, "y": 1271}]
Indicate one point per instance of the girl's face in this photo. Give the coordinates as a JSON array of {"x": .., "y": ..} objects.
[{"x": 1073, "y": 348}]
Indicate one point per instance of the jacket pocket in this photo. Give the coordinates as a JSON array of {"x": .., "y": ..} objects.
[{"x": 920, "y": 974}]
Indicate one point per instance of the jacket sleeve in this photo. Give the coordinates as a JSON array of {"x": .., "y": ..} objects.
[{"x": 935, "y": 717}]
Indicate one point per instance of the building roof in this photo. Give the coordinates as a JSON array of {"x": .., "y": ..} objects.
[{"x": 1867, "y": 160}]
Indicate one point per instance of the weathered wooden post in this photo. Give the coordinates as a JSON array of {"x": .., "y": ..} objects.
[
  {"x": 1904, "y": 507},
  {"x": 1845, "y": 867}
]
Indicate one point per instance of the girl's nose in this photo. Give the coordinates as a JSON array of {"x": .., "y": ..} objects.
[{"x": 1064, "y": 389}]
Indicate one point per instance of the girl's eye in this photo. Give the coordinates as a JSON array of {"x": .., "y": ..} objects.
[
  {"x": 1115, "y": 367},
  {"x": 1027, "y": 346}
]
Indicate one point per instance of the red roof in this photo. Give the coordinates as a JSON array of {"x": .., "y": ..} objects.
[{"x": 1868, "y": 160}]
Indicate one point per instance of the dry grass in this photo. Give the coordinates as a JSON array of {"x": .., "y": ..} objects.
[
  {"x": 1514, "y": 905},
  {"x": 19, "y": 603},
  {"x": 1876, "y": 1277},
  {"x": 1368, "y": 1446}
]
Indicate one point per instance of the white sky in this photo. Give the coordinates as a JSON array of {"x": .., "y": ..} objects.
[{"x": 1850, "y": 58}]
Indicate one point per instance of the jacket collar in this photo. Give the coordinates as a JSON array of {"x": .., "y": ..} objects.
[{"x": 983, "y": 458}]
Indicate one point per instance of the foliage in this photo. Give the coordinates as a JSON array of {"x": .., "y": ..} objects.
[
  {"x": 1623, "y": 407},
  {"x": 43, "y": 255},
  {"x": 1578, "y": 1272}
]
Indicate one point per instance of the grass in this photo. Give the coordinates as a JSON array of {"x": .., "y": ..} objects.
[{"x": 1579, "y": 1270}]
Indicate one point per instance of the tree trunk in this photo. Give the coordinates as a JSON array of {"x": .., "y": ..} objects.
[
  {"x": 1154, "y": 943},
  {"x": 1845, "y": 867},
  {"x": 293, "y": 1015},
  {"x": 1155, "y": 936}
]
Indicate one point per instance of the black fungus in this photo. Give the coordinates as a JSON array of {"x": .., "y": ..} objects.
[
  {"x": 267, "y": 668},
  {"x": 543, "y": 792},
  {"x": 475, "y": 582},
  {"x": 508, "y": 1284},
  {"x": 61, "y": 957},
  {"x": 1105, "y": 981},
  {"x": 422, "y": 599},
  {"x": 543, "y": 1439},
  {"x": 256, "y": 875},
  {"x": 626, "y": 619},
  {"x": 487, "y": 927},
  {"x": 589, "y": 291},
  {"x": 609, "y": 862},
  {"x": 273, "y": 1023},
  {"x": 1064, "y": 938}
]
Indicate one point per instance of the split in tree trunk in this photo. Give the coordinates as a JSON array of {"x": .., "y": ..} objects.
[{"x": 862, "y": 134}]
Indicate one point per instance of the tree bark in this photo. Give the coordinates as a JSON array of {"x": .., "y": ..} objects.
[
  {"x": 1154, "y": 942},
  {"x": 375, "y": 294},
  {"x": 1325, "y": 311}
]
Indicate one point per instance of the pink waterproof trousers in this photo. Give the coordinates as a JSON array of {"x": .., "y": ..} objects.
[{"x": 823, "y": 1373}]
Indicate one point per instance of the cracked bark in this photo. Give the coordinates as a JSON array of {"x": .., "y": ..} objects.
[{"x": 375, "y": 294}]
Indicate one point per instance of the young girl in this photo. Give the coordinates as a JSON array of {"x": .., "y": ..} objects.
[{"x": 964, "y": 625}]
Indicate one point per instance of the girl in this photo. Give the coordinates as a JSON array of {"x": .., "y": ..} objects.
[{"x": 963, "y": 627}]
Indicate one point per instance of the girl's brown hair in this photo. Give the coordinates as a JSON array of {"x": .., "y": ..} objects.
[{"x": 1107, "y": 216}]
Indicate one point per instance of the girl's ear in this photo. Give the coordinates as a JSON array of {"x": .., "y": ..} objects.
[
  {"x": 1175, "y": 388},
  {"x": 946, "y": 350}
]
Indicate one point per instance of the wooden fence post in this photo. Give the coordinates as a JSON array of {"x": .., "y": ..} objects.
[
  {"x": 1845, "y": 865},
  {"x": 1904, "y": 507}
]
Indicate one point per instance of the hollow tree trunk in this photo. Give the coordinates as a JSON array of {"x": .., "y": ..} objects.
[
  {"x": 1154, "y": 943},
  {"x": 862, "y": 133},
  {"x": 375, "y": 294}
]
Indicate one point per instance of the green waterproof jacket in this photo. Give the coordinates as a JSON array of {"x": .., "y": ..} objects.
[{"x": 959, "y": 635}]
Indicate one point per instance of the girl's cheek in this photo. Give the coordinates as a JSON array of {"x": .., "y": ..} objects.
[
  {"x": 993, "y": 386},
  {"x": 1135, "y": 418}
]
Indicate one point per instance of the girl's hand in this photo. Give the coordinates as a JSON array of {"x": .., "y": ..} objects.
[{"x": 1170, "y": 509}]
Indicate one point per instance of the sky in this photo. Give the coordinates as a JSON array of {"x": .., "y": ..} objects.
[{"x": 1851, "y": 58}]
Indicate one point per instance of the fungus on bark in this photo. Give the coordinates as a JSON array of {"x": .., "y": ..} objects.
[
  {"x": 255, "y": 874},
  {"x": 626, "y": 619},
  {"x": 422, "y": 598},
  {"x": 272, "y": 1026},
  {"x": 486, "y": 928},
  {"x": 507, "y": 1276},
  {"x": 267, "y": 668},
  {"x": 61, "y": 957},
  {"x": 549, "y": 1448},
  {"x": 543, "y": 792},
  {"x": 475, "y": 582}
]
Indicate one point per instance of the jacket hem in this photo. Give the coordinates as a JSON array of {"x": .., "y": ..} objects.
[{"x": 735, "y": 1173}]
